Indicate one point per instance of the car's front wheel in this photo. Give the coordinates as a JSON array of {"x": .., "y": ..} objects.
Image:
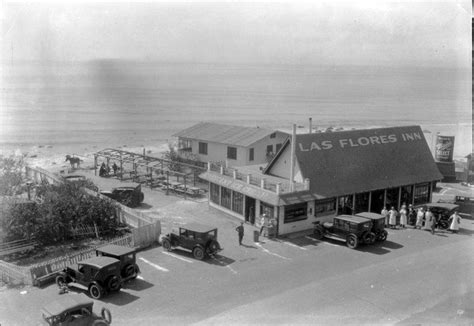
[
  {"x": 166, "y": 243},
  {"x": 318, "y": 233},
  {"x": 368, "y": 237},
  {"x": 352, "y": 241},
  {"x": 114, "y": 283},
  {"x": 198, "y": 253},
  {"x": 96, "y": 291},
  {"x": 61, "y": 280}
]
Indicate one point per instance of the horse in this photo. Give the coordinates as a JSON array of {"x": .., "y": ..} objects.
[{"x": 74, "y": 161}]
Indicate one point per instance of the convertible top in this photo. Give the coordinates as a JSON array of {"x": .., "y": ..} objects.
[{"x": 196, "y": 227}]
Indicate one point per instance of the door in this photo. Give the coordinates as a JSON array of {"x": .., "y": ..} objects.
[
  {"x": 250, "y": 210},
  {"x": 376, "y": 203}
]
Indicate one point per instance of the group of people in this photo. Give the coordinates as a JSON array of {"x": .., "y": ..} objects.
[
  {"x": 105, "y": 169},
  {"x": 420, "y": 218}
]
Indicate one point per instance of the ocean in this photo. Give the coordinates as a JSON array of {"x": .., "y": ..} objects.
[{"x": 52, "y": 109}]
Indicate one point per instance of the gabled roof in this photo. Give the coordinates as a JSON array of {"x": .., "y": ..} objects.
[
  {"x": 225, "y": 134},
  {"x": 355, "y": 161}
]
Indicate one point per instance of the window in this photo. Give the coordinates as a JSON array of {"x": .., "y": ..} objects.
[
  {"x": 232, "y": 153},
  {"x": 407, "y": 195},
  {"x": 361, "y": 202},
  {"x": 273, "y": 135},
  {"x": 278, "y": 147},
  {"x": 251, "y": 154},
  {"x": 214, "y": 195},
  {"x": 344, "y": 205},
  {"x": 325, "y": 207},
  {"x": 296, "y": 212},
  {"x": 422, "y": 193},
  {"x": 185, "y": 145},
  {"x": 269, "y": 149},
  {"x": 203, "y": 148},
  {"x": 226, "y": 200},
  {"x": 266, "y": 209},
  {"x": 238, "y": 202}
]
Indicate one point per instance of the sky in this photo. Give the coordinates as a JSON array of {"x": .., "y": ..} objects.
[{"x": 380, "y": 32}]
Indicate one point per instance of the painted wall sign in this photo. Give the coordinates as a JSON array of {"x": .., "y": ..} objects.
[
  {"x": 444, "y": 148},
  {"x": 360, "y": 141}
]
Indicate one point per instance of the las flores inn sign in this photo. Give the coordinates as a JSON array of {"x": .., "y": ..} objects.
[{"x": 360, "y": 141}]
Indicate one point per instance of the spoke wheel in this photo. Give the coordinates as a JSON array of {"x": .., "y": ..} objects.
[
  {"x": 95, "y": 291},
  {"x": 383, "y": 236},
  {"x": 198, "y": 253},
  {"x": 166, "y": 244},
  {"x": 352, "y": 241}
]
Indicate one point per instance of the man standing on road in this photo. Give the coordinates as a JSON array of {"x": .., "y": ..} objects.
[
  {"x": 262, "y": 223},
  {"x": 240, "y": 230}
]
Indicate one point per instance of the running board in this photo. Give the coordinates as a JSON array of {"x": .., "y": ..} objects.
[
  {"x": 77, "y": 285},
  {"x": 334, "y": 237}
]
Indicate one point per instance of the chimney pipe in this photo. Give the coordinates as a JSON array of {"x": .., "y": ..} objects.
[
  {"x": 310, "y": 125},
  {"x": 292, "y": 159}
]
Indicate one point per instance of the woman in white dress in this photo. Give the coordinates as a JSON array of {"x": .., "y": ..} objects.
[
  {"x": 454, "y": 221},
  {"x": 419, "y": 218},
  {"x": 428, "y": 219},
  {"x": 403, "y": 216},
  {"x": 392, "y": 221}
]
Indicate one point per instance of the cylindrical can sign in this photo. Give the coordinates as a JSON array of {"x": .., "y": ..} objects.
[{"x": 444, "y": 148}]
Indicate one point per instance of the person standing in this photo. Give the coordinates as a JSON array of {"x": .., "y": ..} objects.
[
  {"x": 240, "y": 230},
  {"x": 428, "y": 219},
  {"x": 262, "y": 223},
  {"x": 411, "y": 215},
  {"x": 419, "y": 218},
  {"x": 403, "y": 216},
  {"x": 392, "y": 221},
  {"x": 385, "y": 214},
  {"x": 454, "y": 222}
]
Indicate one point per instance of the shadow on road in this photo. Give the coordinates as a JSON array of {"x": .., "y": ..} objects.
[
  {"x": 390, "y": 244},
  {"x": 305, "y": 241},
  {"x": 120, "y": 298},
  {"x": 219, "y": 260},
  {"x": 247, "y": 246},
  {"x": 144, "y": 206},
  {"x": 138, "y": 285}
]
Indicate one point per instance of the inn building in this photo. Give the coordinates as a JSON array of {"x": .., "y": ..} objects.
[{"x": 320, "y": 175}]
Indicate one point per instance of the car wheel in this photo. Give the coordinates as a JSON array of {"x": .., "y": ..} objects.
[
  {"x": 368, "y": 237},
  {"x": 318, "y": 233},
  {"x": 106, "y": 315},
  {"x": 383, "y": 235},
  {"x": 166, "y": 243},
  {"x": 114, "y": 284},
  {"x": 129, "y": 271},
  {"x": 95, "y": 291},
  {"x": 198, "y": 253},
  {"x": 99, "y": 323},
  {"x": 352, "y": 241},
  {"x": 443, "y": 225},
  {"x": 213, "y": 247}
]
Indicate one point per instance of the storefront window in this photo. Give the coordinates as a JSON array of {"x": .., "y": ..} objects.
[
  {"x": 238, "y": 202},
  {"x": 266, "y": 209},
  {"x": 296, "y": 212},
  {"x": 214, "y": 193},
  {"x": 344, "y": 205},
  {"x": 226, "y": 200},
  {"x": 325, "y": 207},
  {"x": 361, "y": 202},
  {"x": 407, "y": 195},
  {"x": 392, "y": 197},
  {"x": 422, "y": 193}
]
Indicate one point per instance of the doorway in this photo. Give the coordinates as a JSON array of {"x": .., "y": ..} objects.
[
  {"x": 376, "y": 203},
  {"x": 249, "y": 210}
]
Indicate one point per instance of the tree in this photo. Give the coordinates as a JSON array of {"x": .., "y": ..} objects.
[{"x": 11, "y": 175}]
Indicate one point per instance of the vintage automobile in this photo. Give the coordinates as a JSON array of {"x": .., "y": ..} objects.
[
  {"x": 127, "y": 257},
  {"x": 97, "y": 276},
  {"x": 201, "y": 240},
  {"x": 80, "y": 180},
  {"x": 353, "y": 230},
  {"x": 442, "y": 212},
  {"x": 378, "y": 225},
  {"x": 74, "y": 310},
  {"x": 129, "y": 194}
]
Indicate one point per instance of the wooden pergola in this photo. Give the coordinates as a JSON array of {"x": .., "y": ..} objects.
[{"x": 143, "y": 167}]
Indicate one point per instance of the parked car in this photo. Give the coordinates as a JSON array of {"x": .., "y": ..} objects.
[
  {"x": 127, "y": 257},
  {"x": 97, "y": 276},
  {"x": 201, "y": 240},
  {"x": 442, "y": 212},
  {"x": 130, "y": 194},
  {"x": 378, "y": 225},
  {"x": 351, "y": 229},
  {"x": 74, "y": 310},
  {"x": 81, "y": 181}
]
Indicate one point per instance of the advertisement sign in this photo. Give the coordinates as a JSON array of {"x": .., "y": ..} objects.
[{"x": 444, "y": 148}]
